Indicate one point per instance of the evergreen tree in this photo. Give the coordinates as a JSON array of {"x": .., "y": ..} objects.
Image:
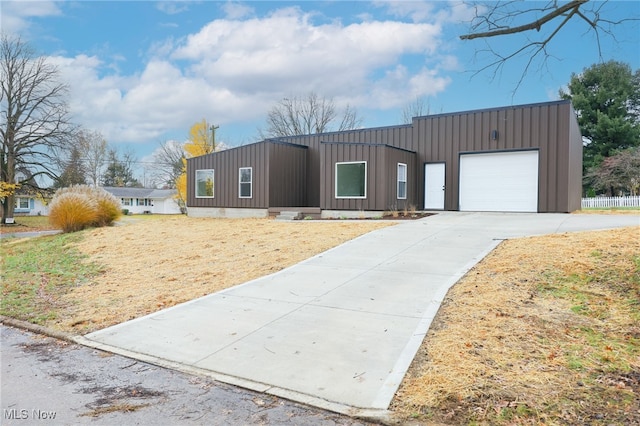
[
  {"x": 606, "y": 97},
  {"x": 119, "y": 171},
  {"x": 74, "y": 171}
]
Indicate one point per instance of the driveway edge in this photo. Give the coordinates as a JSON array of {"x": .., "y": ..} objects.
[{"x": 35, "y": 328}]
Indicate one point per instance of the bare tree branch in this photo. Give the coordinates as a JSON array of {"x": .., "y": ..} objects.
[
  {"x": 419, "y": 107},
  {"x": 505, "y": 18},
  {"x": 535, "y": 25},
  {"x": 94, "y": 147},
  {"x": 168, "y": 163},
  {"x": 34, "y": 122},
  {"x": 307, "y": 115}
]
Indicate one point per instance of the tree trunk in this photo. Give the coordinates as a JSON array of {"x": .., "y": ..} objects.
[
  {"x": 8, "y": 207},
  {"x": 9, "y": 177}
]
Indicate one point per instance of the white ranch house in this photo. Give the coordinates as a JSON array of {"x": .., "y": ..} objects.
[
  {"x": 146, "y": 200},
  {"x": 30, "y": 205}
]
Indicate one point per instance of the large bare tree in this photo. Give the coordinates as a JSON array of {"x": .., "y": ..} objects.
[
  {"x": 169, "y": 162},
  {"x": 94, "y": 148},
  {"x": 34, "y": 121},
  {"x": 304, "y": 115},
  {"x": 418, "y": 107},
  {"x": 541, "y": 21}
]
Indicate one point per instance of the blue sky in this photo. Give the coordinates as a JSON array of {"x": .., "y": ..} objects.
[{"x": 142, "y": 72}]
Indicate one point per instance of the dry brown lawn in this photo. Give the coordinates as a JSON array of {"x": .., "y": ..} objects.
[
  {"x": 151, "y": 264},
  {"x": 545, "y": 330}
]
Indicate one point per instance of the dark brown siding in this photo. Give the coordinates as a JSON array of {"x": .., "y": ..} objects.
[
  {"x": 382, "y": 164},
  {"x": 258, "y": 156},
  {"x": 288, "y": 175},
  {"x": 395, "y": 156},
  {"x": 332, "y": 153},
  {"x": 398, "y": 136},
  {"x": 543, "y": 126},
  {"x": 575, "y": 164},
  {"x": 226, "y": 166},
  {"x": 551, "y": 128}
]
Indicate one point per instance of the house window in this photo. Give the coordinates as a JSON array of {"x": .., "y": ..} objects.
[
  {"x": 402, "y": 181},
  {"x": 22, "y": 203},
  {"x": 126, "y": 201},
  {"x": 204, "y": 183},
  {"x": 246, "y": 182},
  {"x": 351, "y": 179}
]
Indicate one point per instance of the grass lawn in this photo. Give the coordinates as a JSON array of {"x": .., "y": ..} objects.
[
  {"x": 545, "y": 330},
  {"x": 27, "y": 224},
  {"x": 612, "y": 210},
  {"x": 100, "y": 277}
]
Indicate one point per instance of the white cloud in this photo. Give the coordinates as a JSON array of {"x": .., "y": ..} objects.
[
  {"x": 172, "y": 7},
  {"x": 15, "y": 15},
  {"x": 418, "y": 11},
  {"x": 285, "y": 52},
  {"x": 462, "y": 12},
  {"x": 398, "y": 85},
  {"x": 236, "y": 10},
  {"x": 234, "y": 70}
]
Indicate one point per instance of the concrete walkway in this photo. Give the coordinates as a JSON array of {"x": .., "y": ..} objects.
[
  {"x": 338, "y": 330},
  {"x": 29, "y": 234}
]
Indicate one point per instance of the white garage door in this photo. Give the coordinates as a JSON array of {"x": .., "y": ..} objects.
[{"x": 502, "y": 181}]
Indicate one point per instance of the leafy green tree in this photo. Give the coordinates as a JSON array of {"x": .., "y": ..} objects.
[{"x": 606, "y": 97}]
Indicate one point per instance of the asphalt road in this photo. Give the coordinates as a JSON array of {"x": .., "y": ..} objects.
[{"x": 53, "y": 382}]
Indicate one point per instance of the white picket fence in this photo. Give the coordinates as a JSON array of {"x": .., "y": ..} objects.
[{"x": 606, "y": 202}]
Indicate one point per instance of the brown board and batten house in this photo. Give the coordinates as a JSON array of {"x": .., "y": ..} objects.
[
  {"x": 245, "y": 180},
  {"x": 525, "y": 158}
]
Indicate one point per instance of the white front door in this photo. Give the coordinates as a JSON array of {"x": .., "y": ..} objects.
[{"x": 434, "y": 186}]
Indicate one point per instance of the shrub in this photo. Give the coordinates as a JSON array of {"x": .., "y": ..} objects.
[
  {"x": 78, "y": 207},
  {"x": 108, "y": 207},
  {"x": 72, "y": 211}
]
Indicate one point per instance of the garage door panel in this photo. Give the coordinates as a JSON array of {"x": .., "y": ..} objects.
[{"x": 499, "y": 181}]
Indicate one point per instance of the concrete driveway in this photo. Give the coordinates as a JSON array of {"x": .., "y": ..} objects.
[{"x": 338, "y": 330}]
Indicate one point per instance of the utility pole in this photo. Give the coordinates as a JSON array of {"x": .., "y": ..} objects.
[{"x": 213, "y": 137}]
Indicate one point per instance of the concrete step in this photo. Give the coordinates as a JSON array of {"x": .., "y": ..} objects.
[{"x": 289, "y": 215}]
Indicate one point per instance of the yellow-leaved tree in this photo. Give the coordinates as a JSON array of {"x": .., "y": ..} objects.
[{"x": 202, "y": 140}]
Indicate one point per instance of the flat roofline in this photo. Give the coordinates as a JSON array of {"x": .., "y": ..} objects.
[
  {"x": 502, "y": 108},
  {"x": 362, "y": 129},
  {"x": 368, "y": 144},
  {"x": 264, "y": 141}
]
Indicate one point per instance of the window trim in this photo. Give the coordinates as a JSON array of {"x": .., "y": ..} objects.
[
  {"x": 213, "y": 178},
  {"x": 350, "y": 197},
  {"x": 240, "y": 182},
  {"x": 401, "y": 165},
  {"x": 19, "y": 200}
]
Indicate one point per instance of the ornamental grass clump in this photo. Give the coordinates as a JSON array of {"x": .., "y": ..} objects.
[
  {"x": 78, "y": 207},
  {"x": 72, "y": 212},
  {"x": 108, "y": 207}
]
